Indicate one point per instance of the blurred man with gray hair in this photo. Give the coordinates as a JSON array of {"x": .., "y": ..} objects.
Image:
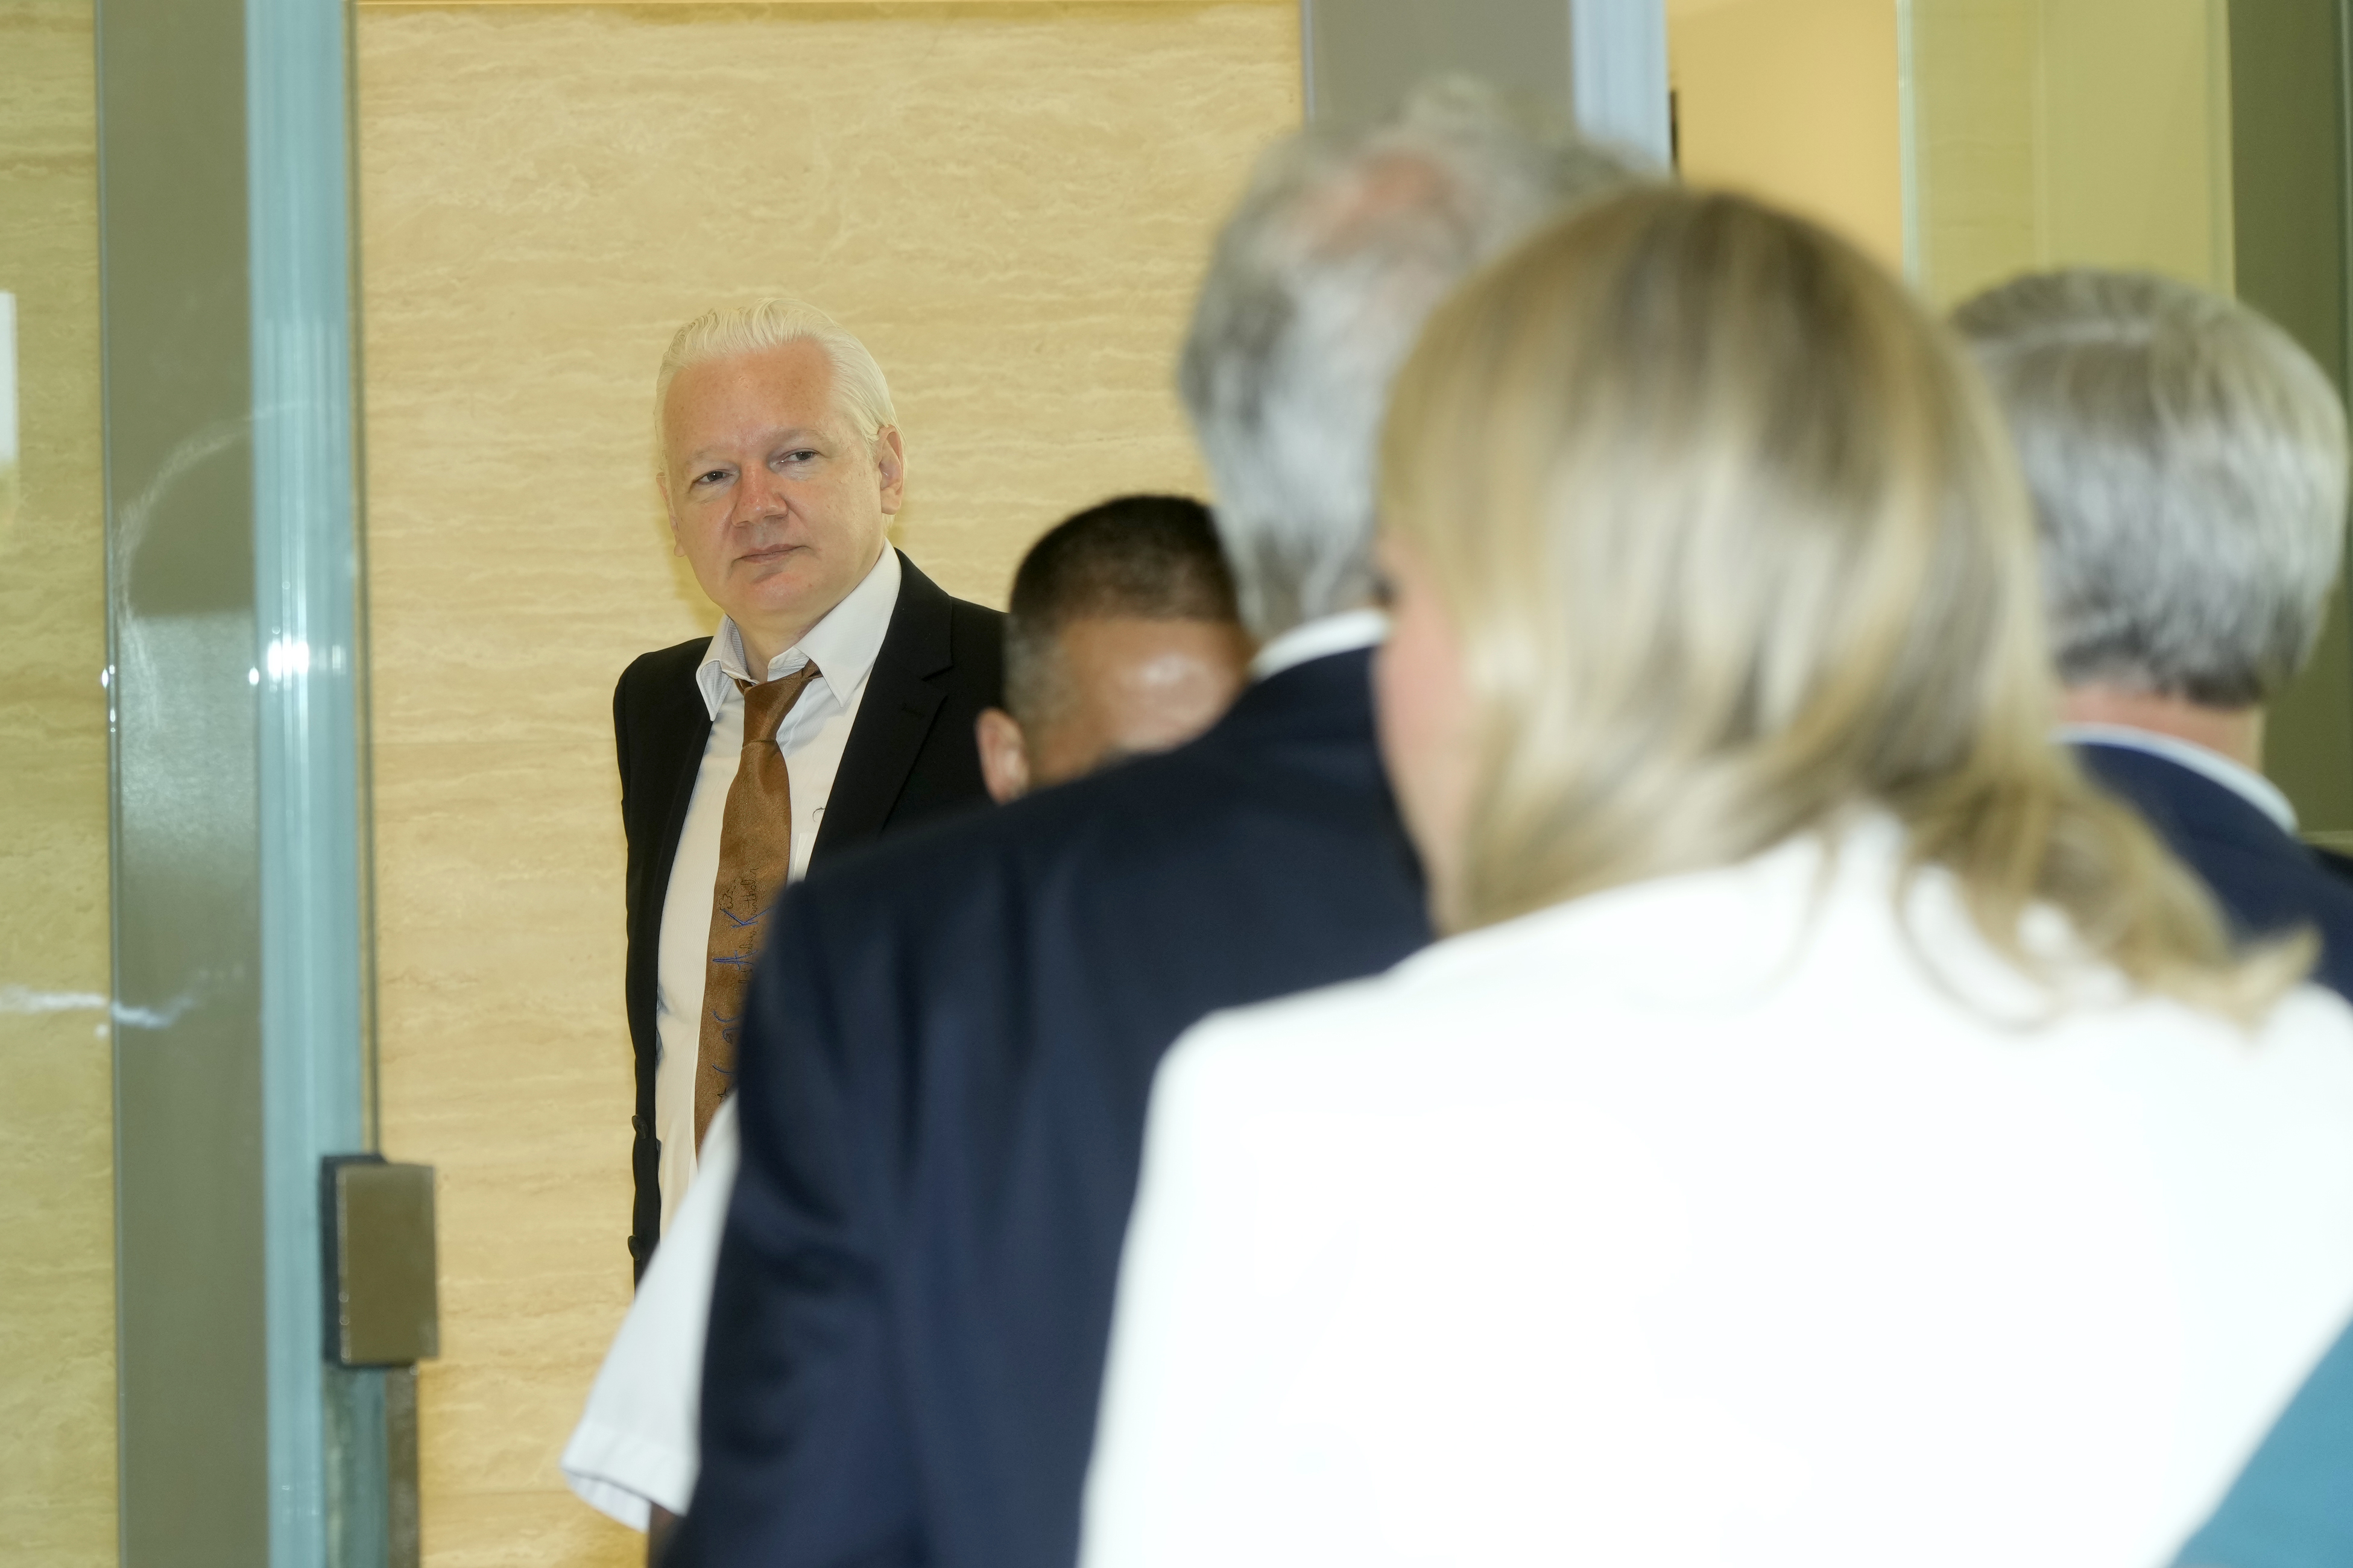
[
  {"x": 2188, "y": 464},
  {"x": 950, "y": 1046}
]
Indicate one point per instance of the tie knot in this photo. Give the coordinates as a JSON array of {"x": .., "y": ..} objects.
[{"x": 766, "y": 705}]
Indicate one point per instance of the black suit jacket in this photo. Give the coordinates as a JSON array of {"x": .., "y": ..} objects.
[
  {"x": 911, "y": 757},
  {"x": 2266, "y": 880},
  {"x": 943, "y": 1078}
]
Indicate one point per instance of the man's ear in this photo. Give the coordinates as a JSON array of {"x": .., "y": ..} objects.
[
  {"x": 891, "y": 463},
  {"x": 1004, "y": 754}
]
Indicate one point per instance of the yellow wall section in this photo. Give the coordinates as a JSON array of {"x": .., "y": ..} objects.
[
  {"x": 2136, "y": 121},
  {"x": 56, "y": 1186},
  {"x": 1795, "y": 100},
  {"x": 1977, "y": 95},
  {"x": 1011, "y": 203},
  {"x": 2048, "y": 131},
  {"x": 2056, "y": 132}
]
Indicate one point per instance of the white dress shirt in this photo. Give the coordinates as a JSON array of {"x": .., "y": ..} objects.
[
  {"x": 1696, "y": 1223},
  {"x": 636, "y": 1445},
  {"x": 844, "y": 644},
  {"x": 2231, "y": 774}
]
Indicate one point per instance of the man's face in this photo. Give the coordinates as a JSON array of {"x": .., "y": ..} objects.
[
  {"x": 773, "y": 498},
  {"x": 1126, "y": 686}
]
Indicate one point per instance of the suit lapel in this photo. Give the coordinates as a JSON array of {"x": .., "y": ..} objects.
[
  {"x": 686, "y": 731},
  {"x": 893, "y": 717}
]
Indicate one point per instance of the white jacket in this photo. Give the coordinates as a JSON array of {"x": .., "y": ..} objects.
[{"x": 1699, "y": 1223}]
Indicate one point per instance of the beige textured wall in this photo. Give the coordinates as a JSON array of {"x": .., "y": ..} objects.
[
  {"x": 2057, "y": 132},
  {"x": 1011, "y": 203},
  {"x": 1795, "y": 100},
  {"x": 2049, "y": 131},
  {"x": 1975, "y": 74},
  {"x": 56, "y": 1188},
  {"x": 2137, "y": 135}
]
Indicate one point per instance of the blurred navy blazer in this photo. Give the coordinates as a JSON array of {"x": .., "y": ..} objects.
[
  {"x": 2292, "y": 1507},
  {"x": 2265, "y": 879},
  {"x": 943, "y": 1080}
]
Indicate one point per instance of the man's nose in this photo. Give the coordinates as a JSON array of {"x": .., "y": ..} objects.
[{"x": 759, "y": 498}]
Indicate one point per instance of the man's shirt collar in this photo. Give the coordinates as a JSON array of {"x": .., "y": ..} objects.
[
  {"x": 844, "y": 644},
  {"x": 1343, "y": 633}
]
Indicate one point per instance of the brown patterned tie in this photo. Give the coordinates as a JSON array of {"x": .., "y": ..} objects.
[{"x": 756, "y": 858}]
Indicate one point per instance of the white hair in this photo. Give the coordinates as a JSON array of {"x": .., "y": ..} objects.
[
  {"x": 2188, "y": 461},
  {"x": 1318, "y": 287},
  {"x": 858, "y": 389}
]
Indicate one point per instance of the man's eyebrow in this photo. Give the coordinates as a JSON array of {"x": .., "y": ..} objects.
[{"x": 810, "y": 434}]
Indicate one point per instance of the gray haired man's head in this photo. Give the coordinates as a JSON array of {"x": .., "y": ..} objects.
[
  {"x": 2188, "y": 462},
  {"x": 1319, "y": 286}
]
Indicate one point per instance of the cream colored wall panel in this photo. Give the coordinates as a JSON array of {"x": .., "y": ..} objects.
[
  {"x": 525, "y": 1529},
  {"x": 56, "y": 1188},
  {"x": 1796, "y": 101},
  {"x": 503, "y": 1066},
  {"x": 2058, "y": 132},
  {"x": 1975, "y": 68},
  {"x": 1011, "y": 203},
  {"x": 2136, "y": 140}
]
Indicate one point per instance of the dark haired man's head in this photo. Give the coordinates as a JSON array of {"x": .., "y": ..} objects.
[{"x": 1121, "y": 638}]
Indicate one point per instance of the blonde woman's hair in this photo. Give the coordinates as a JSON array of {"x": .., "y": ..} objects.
[
  {"x": 858, "y": 389},
  {"x": 1737, "y": 550}
]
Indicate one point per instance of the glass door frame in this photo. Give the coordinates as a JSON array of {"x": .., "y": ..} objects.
[{"x": 235, "y": 677}]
